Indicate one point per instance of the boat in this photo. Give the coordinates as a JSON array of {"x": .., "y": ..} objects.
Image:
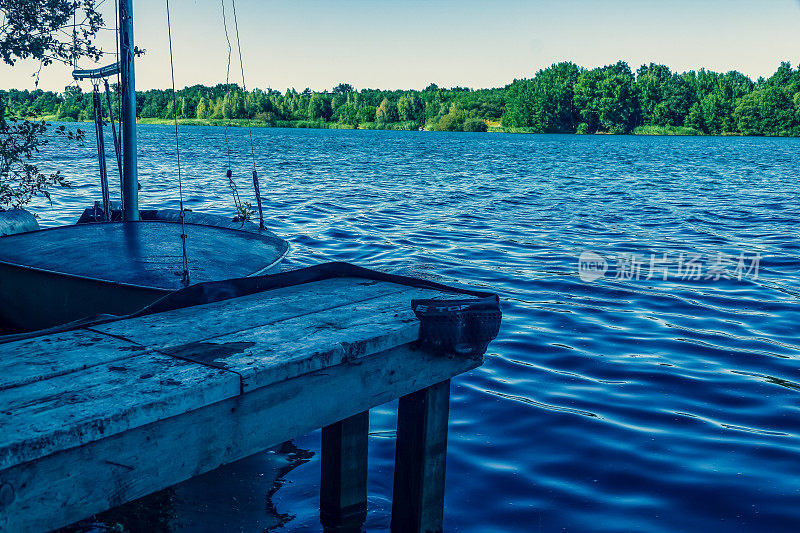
[{"x": 118, "y": 261}]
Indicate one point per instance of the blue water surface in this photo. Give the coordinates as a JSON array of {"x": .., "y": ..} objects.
[{"x": 625, "y": 402}]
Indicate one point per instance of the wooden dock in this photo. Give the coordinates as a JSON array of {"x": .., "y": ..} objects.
[{"x": 96, "y": 417}]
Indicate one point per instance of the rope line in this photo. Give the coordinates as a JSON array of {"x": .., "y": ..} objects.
[
  {"x": 117, "y": 146},
  {"x": 237, "y": 202},
  {"x": 119, "y": 70},
  {"x": 256, "y": 187},
  {"x": 74, "y": 35},
  {"x": 185, "y": 273},
  {"x": 74, "y": 42},
  {"x": 101, "y": 152},
  {"x": 244, "y": 85},
  {"x": 227, "y": 79},
  {"x": 118, "y": 98}
]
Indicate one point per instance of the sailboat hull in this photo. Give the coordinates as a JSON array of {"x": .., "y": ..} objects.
[
  {"x": 57, "y": 275},
  {"x": 33, "y": 299}
]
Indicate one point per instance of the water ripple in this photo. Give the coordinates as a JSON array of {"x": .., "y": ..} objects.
[{"x": 613, "y": 405}]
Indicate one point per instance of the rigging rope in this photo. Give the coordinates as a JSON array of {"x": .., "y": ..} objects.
[
  {"x": 74, "y": 41},
  {"x": 117, "y": 146},
  {"x": 74, "y": 35},
  {"x": 256, "y": 187},
  {"x": 229, "y": 174},
  {"x": 185, "y": 273},
  {"x": 117, "y": 141},
  {"x": 99, "y": 115},
  {"x": 101, "y": 151}
]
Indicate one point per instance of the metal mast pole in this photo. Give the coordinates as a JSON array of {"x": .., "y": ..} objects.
[{"x": 130, "y": 173}]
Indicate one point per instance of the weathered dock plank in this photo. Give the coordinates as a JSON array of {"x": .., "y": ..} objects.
[
  {"x": 69, "y": 410},
  {"x": 108, "y": 472},
  {"x": 34, "y": 360},
  {"x": 288, "y": 348},
  {"x": 226, "y": 317}
]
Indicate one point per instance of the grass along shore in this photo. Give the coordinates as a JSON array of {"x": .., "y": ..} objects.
[{"x": 493, "y": 126}]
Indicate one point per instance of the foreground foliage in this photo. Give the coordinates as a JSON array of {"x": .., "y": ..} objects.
[
  {"x": 46, "y": 31},
  {"x": 20, "y": 180}
]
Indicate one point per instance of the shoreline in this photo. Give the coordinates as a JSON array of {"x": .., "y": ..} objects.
[{"x": 492, "y": 127}]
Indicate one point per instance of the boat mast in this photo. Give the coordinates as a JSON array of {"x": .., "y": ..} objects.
[{"x": 130, "y": 173}]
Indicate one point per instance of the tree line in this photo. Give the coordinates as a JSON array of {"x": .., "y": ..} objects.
[
  {"x": 563, "y": 98},
  {"x": 455, "y": 109}
]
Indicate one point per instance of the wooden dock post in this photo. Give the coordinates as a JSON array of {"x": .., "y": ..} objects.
[
  {"x": 343, "y": 492},
  {"x": 418, "y": 501}
]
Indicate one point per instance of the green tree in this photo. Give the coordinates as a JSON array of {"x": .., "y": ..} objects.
[
  {"x": 204, "y": 109},
  {"x": 227, "y": 105},
  {"x": 187, "y": 108},
  {"x": 716, "y": 114},
  {"x": 451, "y": 122},
  {"x": 769, "y": 111},
  {"x": 664, "y": 98},
  {"x": 544, "y": 103},
  {"x": 238, "y": 109},
  {"x": 410, "y": 107},
  {"x": 454, "y": 120},
  {"x": 219, "y": 108},
  {"x": 72, "y": 104},
  {"x": 386, "y": 112},
  {"x": 37, "y": 31},
  {"x": 319, "y": 107},
  {"x": 475, "y": 125},
  {"x": 41, "y": 31},
  {"x": 233, "y": 105},
  {"x": 606, "y": 99},
  {"x": 695, "y": 118},
  {"x": 20, "y": 180},
  {"x": 153, "y": 108},
  {"x": 785, "y": 77},
  {"x": 718, "y": 94},
  {"x": 365, "y": 113},
  {"x": 559, "y": 99},
  {"x": 343, "y": 88},
  {"x": 347, "y": 113}
]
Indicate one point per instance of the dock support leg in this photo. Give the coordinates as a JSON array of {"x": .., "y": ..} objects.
[
  {"x": 418, "y": 502},
  {"x": 343, "y": 492}
]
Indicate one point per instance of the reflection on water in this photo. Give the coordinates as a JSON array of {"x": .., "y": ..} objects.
[
  {"x": 237, "y": 497},
  {"x": 612, "y": 404}
]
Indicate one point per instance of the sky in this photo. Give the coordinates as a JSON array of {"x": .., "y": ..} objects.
[{"x": 410, "y": 44}]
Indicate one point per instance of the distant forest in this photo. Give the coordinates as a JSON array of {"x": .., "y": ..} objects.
[{"x": 563, "y": 98}]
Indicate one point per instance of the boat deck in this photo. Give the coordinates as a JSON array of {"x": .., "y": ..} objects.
[
  {"x": 145, "y": 253},
  {"x": 98, "y": 416}
]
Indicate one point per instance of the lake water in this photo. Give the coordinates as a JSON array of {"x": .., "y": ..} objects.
[{"x": 655, "y": 389}]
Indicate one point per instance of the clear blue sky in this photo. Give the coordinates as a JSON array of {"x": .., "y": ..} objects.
[{"x": 408, "y": 44}]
